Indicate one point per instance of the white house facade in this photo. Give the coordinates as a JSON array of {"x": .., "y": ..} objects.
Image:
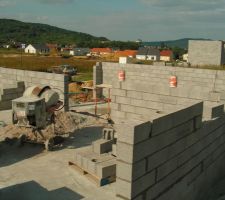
[
  {"x": 185, "y": 57},
  {"x": 37, "y": 48},
  {"x": 141, "y": 57},
  {"x": 30, "y": 49}
]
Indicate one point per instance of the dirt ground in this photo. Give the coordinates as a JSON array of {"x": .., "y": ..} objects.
[{"x": 30, "y": 173}]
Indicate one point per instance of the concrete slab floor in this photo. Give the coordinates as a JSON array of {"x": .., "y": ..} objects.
[{"x": 31, "y": 173}]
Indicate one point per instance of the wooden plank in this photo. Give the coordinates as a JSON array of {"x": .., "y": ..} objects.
[{"x": 93, "y": 178}]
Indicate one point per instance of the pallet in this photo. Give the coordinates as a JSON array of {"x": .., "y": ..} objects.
[{"x": 93, "y": 178}]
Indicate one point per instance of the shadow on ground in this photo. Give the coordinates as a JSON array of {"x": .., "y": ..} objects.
[
  {"x": 82, "y": 137},
  {"x": 33, "y": 191},
  {"x": 12, "y": 153}
]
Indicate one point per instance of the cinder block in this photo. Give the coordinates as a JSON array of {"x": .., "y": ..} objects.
[
  {"x": 115, "y": 106},
  {"x": 133, "y": 132},
  {"x": 108, "y": 134},
  {"x": 130, "y": 172},
  {"x": 106, "y": 169},
  {"x": 129, "y": 191},
  {"x": 132, "y": 153},
  {"x": 123, "y": 100},
  {"x": 119, "y": 92},
  {"x": 117, "y": 115},
  {"x": 102, "y": 146},
  {"x": 198, "y": 122},
  {"x": 213, "y": 110},
  {"x": 171, "y": 120},
  {"x": 114, "y": 150},
  {"x": 92, "y": 166},
  {"x": 166, "y": 168},
  {"x": 134, "y": 94}
]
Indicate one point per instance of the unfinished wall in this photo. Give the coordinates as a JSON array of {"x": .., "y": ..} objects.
[
  {"x": 165, "y": 150},
  {"x": 206, "y": 52},
  {"x": 13, "y": 83},
  {"x": 171, "y": 157},
  {"x": 146, "y": 90}
]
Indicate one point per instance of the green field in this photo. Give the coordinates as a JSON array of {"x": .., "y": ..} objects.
[{"x": 42, "y": 63}]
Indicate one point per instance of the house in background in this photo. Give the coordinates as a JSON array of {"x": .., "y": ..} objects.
[
  {"x": 80, "y": 52},
  {"x": 166, "y": 55},
  {"x": 6, "y": 46},
  {"x": 126, "y": 53},
  {"x": 147, "y": 53},
  {"x": 66, "y": 50},
  {"x": 37, "y": 49},
  {"x": 101, "y": 51},
  {"x": 185, "y": 57}
]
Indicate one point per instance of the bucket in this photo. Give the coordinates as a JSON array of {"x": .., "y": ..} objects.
[
  {"x": 173, "y": 81},
  {"x": 121, "y": 75}
]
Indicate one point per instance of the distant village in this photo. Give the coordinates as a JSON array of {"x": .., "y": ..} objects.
[
  {"x": 200, "y": 52},
  {"x": 143, "y": 53}
]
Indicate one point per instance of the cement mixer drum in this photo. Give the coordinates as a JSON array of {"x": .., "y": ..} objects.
[{"x": 36, "y": 107}]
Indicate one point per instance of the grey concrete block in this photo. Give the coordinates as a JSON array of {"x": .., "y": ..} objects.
[
  {"x": 213, "y": 110},
  {"x": 198, "y": 122},
  {"x": 114, "y": 150},
  {"x": 133, "y": 132},
  {"x": 102, "y": 146},
  {"x": 117, "y": 115},
  {"x": 129, "y": 191},
  {"x": 130, "y": 172},
  {"x": 123, "y": 100},
  {"x": 134, "y": 94},
  {"x": 92, "y": 166},
  {"x": 119, "y": 92},
  {"x": 132, "y": 153},
  {"x": 171, "y": 120},
  {"x": 106, "y": 169},
  {"x": 108, "y": 134}
]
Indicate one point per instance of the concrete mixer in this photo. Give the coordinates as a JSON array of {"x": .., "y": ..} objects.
[{"x": 35, "y": 110}]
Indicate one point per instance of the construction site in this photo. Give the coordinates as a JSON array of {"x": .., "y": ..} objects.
[{"x": 136, "y": 132}]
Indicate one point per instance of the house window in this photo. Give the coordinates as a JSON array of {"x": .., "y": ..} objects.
[{"x": 152, "y": 58}]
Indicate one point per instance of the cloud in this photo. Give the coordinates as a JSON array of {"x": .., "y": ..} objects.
[
  {"x": 185, "y": 5},
  {"x": 56, "y": 1},
  {"x": 4, "y": 3},
  {"x": 42, "y": 18}
]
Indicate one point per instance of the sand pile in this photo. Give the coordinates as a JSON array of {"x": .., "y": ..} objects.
[
  {"x": 65, "y": 123},
  {"x": 79, "y": 94}
]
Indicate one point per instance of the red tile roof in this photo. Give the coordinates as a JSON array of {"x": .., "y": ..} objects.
[
  {"x": 126, "y": 53},
  {"x": 166, "y": 53},
  {"x": 101, "y": 50}
]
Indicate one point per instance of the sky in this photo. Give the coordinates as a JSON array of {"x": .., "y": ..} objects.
[{"x": 149, "y": 20}]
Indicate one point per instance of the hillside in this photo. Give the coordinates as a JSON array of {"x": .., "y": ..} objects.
[
  {"x": 181, "y": 43},
  {"x": 13, "y": 30}
]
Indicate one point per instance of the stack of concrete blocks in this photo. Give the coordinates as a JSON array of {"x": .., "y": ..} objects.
[
  {"x": 97, "y": 79},
  {"x": 97, "y": 160},
  {"x": 174, "y": 150},
  {"x": 9, "y": 78},
  {"x": 201, "y": 52},
  {"x": 10, "y": 92},
  {"x": 172, "y": 157}
]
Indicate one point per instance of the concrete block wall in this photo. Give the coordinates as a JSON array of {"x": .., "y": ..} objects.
[
  {"x": 206, "y": 52},
  {"x": 165, "y": 149},
  {"x": 12, "y": 79},
  {"x": 7, "y": 94},
  {"x": 176, "y": 156},
  {"x": 146, "y": 90}
]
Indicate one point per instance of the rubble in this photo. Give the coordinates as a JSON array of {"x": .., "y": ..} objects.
[{"x": 65, "y": 123}]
